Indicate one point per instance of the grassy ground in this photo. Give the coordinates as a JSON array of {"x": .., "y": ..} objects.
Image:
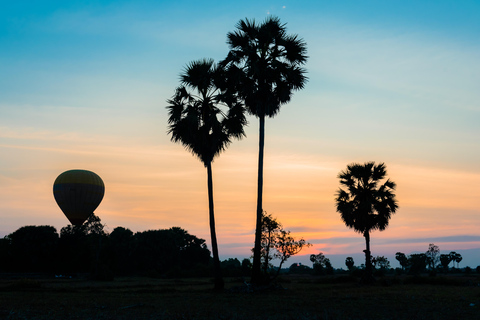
[{"x": 302, "y": 297}]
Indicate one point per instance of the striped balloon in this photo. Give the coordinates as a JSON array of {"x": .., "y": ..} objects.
[{"x": 78, "y": 193}]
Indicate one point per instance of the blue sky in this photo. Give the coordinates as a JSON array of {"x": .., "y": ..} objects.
[{"x": 84, "y": 84}]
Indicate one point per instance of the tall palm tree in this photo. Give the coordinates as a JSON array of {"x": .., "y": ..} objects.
[
  {"x": 364, "y": 205},
  {"x": 204, "y": 119},
  {"x": 264, "y": 68}
]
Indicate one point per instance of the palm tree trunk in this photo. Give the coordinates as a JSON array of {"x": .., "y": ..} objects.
[
  {"x": 256, "y": 271},
  {"x": 219, "y": 285},
  {"x": 368, "y": 277}
]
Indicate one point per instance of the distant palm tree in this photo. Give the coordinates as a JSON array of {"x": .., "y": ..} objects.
[
  {"x": 204, "y": 119},
  {"x": 364, "y": 205},
  {"x": 264, "y": 67}
]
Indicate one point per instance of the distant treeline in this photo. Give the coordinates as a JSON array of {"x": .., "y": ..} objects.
[
  {"x": 173, "y": 252},
  {"x": 88, "y": 249}
]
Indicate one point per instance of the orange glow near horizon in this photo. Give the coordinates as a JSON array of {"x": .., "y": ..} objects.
[
  {"x": 382, "y": 86},
  {"x": 161, "y": 187}
]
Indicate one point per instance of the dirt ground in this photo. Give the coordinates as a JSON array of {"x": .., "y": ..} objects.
[{"x": 296, "y": 297}]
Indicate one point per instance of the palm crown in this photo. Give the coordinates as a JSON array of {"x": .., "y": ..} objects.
[
  {"x": 202, "y": 117},
  {"x": 364, "y": 205},
  {"x": 264, "y": 65},
  {"x": 263, "y": 68}
]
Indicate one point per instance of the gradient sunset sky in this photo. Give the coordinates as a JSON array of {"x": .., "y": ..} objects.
[{"x": 84, "y": 84}]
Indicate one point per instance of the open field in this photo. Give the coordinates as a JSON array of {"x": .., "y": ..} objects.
[{"x": 301, "y": 297}]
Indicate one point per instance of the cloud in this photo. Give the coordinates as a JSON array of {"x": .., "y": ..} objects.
[
  {"x": 337, "y": 240},
  {"x": 436, "y": 240},
  {"x": 397, "y": 241},
  {"x": 409, "y": 91},
  {"x": 306, "y": 229}
]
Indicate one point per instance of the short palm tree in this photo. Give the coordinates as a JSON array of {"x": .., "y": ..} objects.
[
  {"x": 365, "y": 204},
  {"x": 204, "y": 119},
  {"x": 264, "y": 68}
]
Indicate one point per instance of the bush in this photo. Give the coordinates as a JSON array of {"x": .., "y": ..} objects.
[
  {"x": 358, "y": 272},
  {"x": 399, "y": 271},
  {"x": 298, "y": 268},
  {"x": 379, "y": 272}
]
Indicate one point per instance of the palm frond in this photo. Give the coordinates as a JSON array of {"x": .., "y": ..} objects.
[
  {"x": 270, "y": 61},
  {"x": 196, "y": 119},
  {"x": 363, "y": 205},
  {"x": 294, "y": 49}
]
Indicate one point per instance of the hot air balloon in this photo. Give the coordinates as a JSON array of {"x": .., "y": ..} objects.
[{"x": 78, "y": 193}]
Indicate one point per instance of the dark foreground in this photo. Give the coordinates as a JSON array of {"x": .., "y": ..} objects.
[{"x": 302, "y": 297}]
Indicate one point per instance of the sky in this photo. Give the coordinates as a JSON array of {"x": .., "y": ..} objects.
[{"x": 84, "y": 84}]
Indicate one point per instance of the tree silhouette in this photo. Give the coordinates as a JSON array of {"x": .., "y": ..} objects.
[
  {"x": 264, "y": 68},
  {"x": 318, "y": 258},
  {"x": 168, "y": 252},
  {"x": 321, "y": 264},
  {"x": 455, "y": 257},
  {"x": 246, "y": 267},
  {"x": 417, "y": 262},
  {"x": 93, "y": 225},
  {"x": 433, "y": 255},
  {"x": 204, "y": 119},
  {"x": 286, "y": 246},
  {"x": 33, "y": 248},
  {"x": 445, "y": 260},
  {"x": 276, "y": 243},
  {"x": 231, "y": 267},
  {"x": 75, "y": 250},
  {"x": 159, "y": 253},
  {"x": 270, "y": 231},
  {"x": 458, "y": 258},
  {"x": 402, "y": 259},
  {"x": 364, "y": 205},
  {"x": 81, "y": 244},
  {"x": 120, "y": 249},
  {"x": 349, "y": 263},
  {"x": 382, "y": 262}
]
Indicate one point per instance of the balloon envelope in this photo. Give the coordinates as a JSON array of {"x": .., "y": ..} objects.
[{"x": 78, "y": 193}]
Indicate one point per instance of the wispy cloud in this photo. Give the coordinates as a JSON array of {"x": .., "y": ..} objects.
[
  {"x": 436, "y": 240},
  {"x": 399, "y": 241}
]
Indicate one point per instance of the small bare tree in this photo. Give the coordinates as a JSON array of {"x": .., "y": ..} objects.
[
  {"x": 277, "y": 243},
  {"x": 433, "y": 256}
]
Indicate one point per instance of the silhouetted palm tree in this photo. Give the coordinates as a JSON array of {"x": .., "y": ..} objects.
[
  {"x": 264, "y": 67},
  {"x": 204, "y": 120},
  {"x": 364, "y": 205}
]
